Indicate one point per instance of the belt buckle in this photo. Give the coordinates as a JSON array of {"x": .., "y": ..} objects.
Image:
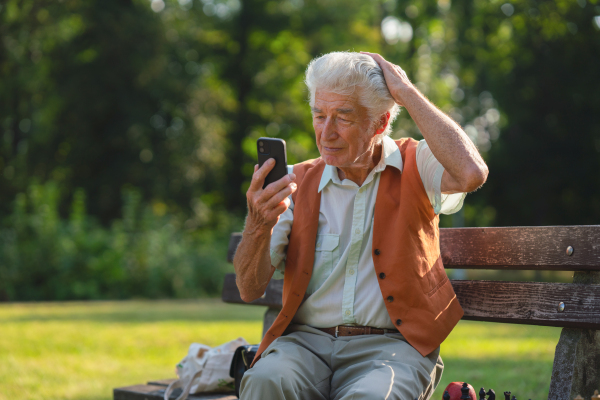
[{"x": 336, "y": 331}]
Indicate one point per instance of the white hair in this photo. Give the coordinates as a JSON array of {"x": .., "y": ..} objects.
[{"x": 343, "y": 72}]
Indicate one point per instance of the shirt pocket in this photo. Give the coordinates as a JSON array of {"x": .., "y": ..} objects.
[{"x": 326, "y": 256}]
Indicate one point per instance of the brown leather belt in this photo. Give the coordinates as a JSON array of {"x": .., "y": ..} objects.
[{"x": 344, "y": 330}]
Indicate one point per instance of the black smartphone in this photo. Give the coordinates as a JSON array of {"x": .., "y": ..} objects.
[{"x": 272, "y": 148}]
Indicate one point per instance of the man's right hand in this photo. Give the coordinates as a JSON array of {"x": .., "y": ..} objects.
[{"x": 266, "y": 205}]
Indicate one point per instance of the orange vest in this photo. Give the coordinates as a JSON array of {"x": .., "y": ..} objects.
[{"x": 418, "y": 295}]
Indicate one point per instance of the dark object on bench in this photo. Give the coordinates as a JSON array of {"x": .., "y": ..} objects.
[
  {"x": 572, "y": 306},
  {"x": 241, "y": 362},
  {"x": 155, "y": 390}
]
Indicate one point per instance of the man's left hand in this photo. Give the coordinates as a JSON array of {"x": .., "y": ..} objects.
[
  {"x": 465, "y": 170},
  {"x": 395, "y": 77}
]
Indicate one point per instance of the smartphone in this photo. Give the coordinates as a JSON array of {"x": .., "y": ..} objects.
[{"x": 272, "y": 148}]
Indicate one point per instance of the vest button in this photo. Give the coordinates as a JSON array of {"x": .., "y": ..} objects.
[
  {"x": 398, "y": 322},
  {"x": 377, "y": 252},
  {"x": 390, "y": 298},
  {"x": 382, "y": 275}
]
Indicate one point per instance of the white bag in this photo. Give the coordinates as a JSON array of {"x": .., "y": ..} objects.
[{"x": 205, "y": 369}]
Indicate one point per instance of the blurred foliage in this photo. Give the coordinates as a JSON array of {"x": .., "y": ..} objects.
[
  {"x": 144, "y": 254},
  {"x": 538, "y": 59},
  {"x": 110, "y": 105}
]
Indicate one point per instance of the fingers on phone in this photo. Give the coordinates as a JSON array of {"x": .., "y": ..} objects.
[
  {"x": 282, "y": 196},
  {"x": 255, "y": 183},
  {"x": 275, "y": 187},
  {"x": 277, "y": 197},
  {"x": 258, "y": 178},
  {"x": 266, "y": 167}
]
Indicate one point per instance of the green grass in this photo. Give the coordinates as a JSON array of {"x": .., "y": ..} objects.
[
  {"x": 505, "y": 357},
  {"x": 83, "y": 350}
]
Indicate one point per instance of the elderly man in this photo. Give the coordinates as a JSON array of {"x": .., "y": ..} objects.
[{"x": 366, "y": 300}]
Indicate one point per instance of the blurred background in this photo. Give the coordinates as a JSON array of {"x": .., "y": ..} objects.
[{"x": 127, "y": 127}]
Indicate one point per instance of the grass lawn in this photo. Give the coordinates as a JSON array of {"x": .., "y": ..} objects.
[{"x": 82, "y": 350}]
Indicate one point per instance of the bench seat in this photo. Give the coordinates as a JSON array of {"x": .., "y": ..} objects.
[{"x": 155, "y": 390}]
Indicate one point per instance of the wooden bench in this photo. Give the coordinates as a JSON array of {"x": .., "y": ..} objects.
[
  {"x": 573, "y": 306},
  {"x": 558, "y": 248}
]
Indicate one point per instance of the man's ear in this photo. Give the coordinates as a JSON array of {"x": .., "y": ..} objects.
[{"x": 384, "y": 120}]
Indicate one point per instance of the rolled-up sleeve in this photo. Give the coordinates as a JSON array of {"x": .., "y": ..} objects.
[
  {"x": 431, "y": 172},
  {"x": 280, "y": 238}
]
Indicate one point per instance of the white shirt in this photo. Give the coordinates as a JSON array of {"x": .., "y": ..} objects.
[{"x": 343, "y": 288}]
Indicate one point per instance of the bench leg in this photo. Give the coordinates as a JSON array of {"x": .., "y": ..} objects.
[
  {"x": 269, "y": 318},
  {"x": 576, "y": 369}
]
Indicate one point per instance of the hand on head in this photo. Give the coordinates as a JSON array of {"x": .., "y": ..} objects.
[{"x": 396, "y": 79}]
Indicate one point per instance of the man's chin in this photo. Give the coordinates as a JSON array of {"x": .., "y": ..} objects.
[{"x": 331, "y": 160}]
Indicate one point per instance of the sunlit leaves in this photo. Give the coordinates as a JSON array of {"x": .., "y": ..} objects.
[{"x": 195, "y": 83}]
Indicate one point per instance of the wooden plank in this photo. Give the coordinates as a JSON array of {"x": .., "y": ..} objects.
[
  {"x": 514, "y": 248},
  {"x": 531, "y": 248},
  {"x": 271, "y": 298},
  {"x": 138, "y": 392},
  {"x": 156, "y": 392},
  {"x": 530, "y": 303},
  {"x": 162, "y": 382}
]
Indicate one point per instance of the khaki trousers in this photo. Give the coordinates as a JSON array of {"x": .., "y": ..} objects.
[{"x": 307, "y": 363}]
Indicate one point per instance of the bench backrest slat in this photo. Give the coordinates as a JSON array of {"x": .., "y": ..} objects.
[
  {"x": 272, "y": 297},
  {"x": 532, "y": 248},
  {"x": 515, "y": 248},
  {"x": 530, "y": 303}
]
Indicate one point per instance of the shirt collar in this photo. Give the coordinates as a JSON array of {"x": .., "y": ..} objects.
[{"x": 391, "y": 157}]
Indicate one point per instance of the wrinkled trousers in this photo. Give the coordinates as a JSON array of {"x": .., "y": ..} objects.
[{"x": 307, "y": 363}]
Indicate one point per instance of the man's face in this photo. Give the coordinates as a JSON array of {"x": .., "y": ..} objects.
[{"x": 342, "y": 127}]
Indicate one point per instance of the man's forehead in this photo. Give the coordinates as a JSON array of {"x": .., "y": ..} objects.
[{"x": 328, "y": 101}]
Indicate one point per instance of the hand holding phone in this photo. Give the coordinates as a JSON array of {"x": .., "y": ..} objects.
[{"x": 265, "y": 205}]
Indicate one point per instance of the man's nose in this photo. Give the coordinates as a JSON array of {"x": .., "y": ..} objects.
[{"x": 329, "y": 130}]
